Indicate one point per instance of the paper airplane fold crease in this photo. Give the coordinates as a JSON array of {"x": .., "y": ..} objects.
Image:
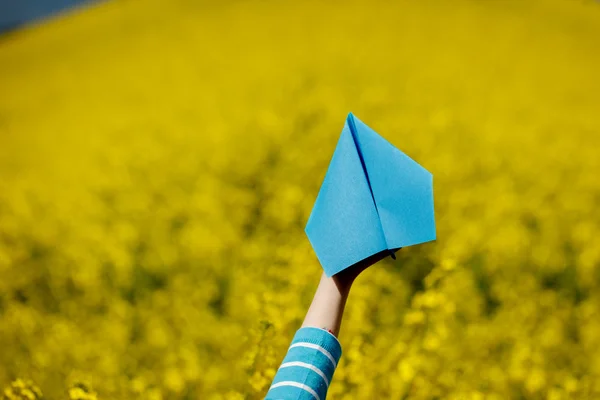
[{"x": 373, "y": 197}]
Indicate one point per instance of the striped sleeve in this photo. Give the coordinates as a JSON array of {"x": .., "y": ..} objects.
[{"x": 307, "y": 369}]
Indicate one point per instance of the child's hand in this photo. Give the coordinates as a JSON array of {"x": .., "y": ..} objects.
[
  {"x": 330, "y": 299},
  {"x": 346, "y": 277}
]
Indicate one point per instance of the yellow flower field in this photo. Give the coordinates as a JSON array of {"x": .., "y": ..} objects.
[{"x": 158, "y": 162}]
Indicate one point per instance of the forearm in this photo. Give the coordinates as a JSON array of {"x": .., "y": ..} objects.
[
  {"x": 308, "y": 367},
  {"x": 327, "y": 307}
]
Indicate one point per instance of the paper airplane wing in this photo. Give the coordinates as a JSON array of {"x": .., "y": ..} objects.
[
  {"x": 373, "y": 198},
  {"x": 344, "y": 226},
  {"x": 402, "y": 189}
]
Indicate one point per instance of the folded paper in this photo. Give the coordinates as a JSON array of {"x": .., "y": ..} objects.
[{"x": 373, "y": 198}]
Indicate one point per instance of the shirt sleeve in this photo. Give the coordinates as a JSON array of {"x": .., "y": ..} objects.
[{"x": 307, "y": 369}]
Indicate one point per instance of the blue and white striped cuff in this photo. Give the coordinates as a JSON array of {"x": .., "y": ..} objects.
[{"x": 308, "y": 367}]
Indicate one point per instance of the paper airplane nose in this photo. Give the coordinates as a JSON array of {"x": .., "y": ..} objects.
[{"x": 374, "y": 197}]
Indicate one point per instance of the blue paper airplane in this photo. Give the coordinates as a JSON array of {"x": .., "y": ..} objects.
[{"x": 373, "y": 198}]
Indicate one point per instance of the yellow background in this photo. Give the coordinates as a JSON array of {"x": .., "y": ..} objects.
[{"x": 158, "y": 162}]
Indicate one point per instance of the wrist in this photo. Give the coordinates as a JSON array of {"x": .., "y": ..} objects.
[{"x": 342, "y": 283}]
